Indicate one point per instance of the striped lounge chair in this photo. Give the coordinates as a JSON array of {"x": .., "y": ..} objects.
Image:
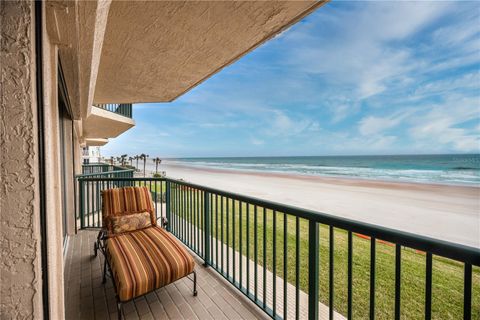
[{"x": 140, "y": 255}]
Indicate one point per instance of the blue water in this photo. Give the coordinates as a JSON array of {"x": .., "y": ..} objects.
[{"x": 446, "y": 169}]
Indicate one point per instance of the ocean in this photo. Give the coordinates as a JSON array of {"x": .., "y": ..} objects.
[{"x": 458, "y": 169}]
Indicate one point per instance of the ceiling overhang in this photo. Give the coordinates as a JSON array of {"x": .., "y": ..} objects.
[
  {"x": 98, "y": 142},
  {"x": 154, "y": 51},
  {"x": 105, "y": 124}
]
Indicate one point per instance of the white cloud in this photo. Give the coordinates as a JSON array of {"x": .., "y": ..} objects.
[
  {"x": 459, "y": 139},
  {"x": 337, "y": 143},
  {"x": 314, "y": 126},
  {"x": 361, "y": 54},
  {"x": 283, "y": 125},
  {"x": 441, "y": 125},
  {"x": 374, "y": 77},
  {"x": 428, "y": 127},
  {"x": 213, "y": 124},
  {"x": 342, "y": 108},
  {"x": 340, "y": 112},
  {"x": 446, "y": 86},
  {"x": 257, "y": 142},
  {"x": 458, "y": 35},
  {"x": 382, "y": 143},
  {"x": 278, "y": 123},
  {"x": 372, "y": 125}
]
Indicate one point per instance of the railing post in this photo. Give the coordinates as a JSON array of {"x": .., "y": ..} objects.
[
  {"x": 81, "y": 205},
  {"x": 312, "y": 270},
  {"x": 206, "y": 228},
  {"x": 167, "y": 203},
  {"x": 467, "y": 292}
]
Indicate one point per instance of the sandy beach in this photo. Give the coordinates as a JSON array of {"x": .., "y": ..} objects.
[{"x": 446, "y": 212}]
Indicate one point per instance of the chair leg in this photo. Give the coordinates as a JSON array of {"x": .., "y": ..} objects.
[
  {"x": 96, "y": 244},
  {"x": 104, "y": 280},
  {"x": 194, "y": 284},
  {"x": 119, "y": 310}
]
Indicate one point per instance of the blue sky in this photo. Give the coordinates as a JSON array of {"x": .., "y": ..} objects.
[{"x": 352, "y": 78}]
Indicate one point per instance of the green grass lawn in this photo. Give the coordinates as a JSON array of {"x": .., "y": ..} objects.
[
  {"x": 154, "y": 186},
  {"x": 447, "y": 297}
]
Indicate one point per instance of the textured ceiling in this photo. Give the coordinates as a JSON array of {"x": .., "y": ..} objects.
[{"x": 155, "y": 51}]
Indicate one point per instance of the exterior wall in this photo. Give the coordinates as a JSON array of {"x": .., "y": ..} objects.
[
  {"x": 20, "y": 269},
  {"x": 20, "y": 280}
]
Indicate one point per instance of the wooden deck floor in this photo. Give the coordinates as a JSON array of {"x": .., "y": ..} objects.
[{"x": 87, "y": 298}]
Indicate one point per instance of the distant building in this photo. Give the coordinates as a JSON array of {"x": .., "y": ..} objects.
[{"x": 91, "y": 155}]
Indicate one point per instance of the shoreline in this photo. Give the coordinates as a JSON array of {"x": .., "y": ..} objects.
[
  {"x": 445, "y": 212},
  {"x": 340, "y": 180}
]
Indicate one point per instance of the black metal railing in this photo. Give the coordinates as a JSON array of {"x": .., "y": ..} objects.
[
  {"x": 124, "y": 109},
  {"x": 297, "y": 263},
  {"x": 95, "y": 168},
  {"x": 88, "y": 213},
  {"x": 100, "y": 167}
]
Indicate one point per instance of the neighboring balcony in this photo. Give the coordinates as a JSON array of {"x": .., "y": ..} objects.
[
  {"x": 107, "y": 121},
  {"x": 272, "y": 260},
  {"x": 124, "y": 109}
]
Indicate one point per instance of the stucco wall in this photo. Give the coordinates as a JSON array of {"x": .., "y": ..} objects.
[{"x": 20, "y": 282}]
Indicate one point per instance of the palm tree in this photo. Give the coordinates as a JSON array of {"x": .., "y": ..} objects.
[
  {"x": 144, "y": 157},
  {"x": 131, "y": 160},
  {"x": 157, "y": 161},
  {"x": 123, "y": 159},
  {"x": 136, "y": 158},
  {"x": 112, "y": 159}
]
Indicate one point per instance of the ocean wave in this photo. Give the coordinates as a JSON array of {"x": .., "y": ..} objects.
[{"x": 455, "y": 175}]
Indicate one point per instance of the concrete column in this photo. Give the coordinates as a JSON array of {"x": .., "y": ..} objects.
[{"x": 20, "y": 274}]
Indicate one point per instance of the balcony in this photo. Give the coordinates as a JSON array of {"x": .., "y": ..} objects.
[
  {"x": 107, "y": 121},
  {"x": 105, "y": 170},
  {"x": 286, "y": 262},
  {"x": 87, "y": 298},
  {"x": 124, "y": 109}
]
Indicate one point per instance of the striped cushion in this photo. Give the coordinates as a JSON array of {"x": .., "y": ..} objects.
[
  {"x": 146, "y": 260},
  {"x": 127, "y": 200}
]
